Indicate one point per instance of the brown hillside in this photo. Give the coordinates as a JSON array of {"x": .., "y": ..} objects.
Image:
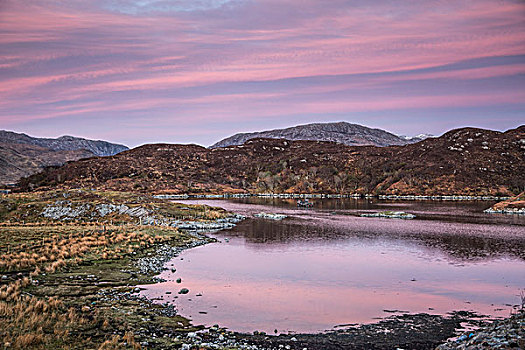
[{"x": 462, "y": 161}]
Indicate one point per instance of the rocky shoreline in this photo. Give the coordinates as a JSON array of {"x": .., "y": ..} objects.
[
  {"x": 390, "y": 215},
  {"x": 328, "y": 196},
  {"x": 155, "y": 263},
  {"x": 501, "y": 334},
  {"x": 271, "y": 216},
  {"x": 407, "y": 331},
  {"x": 516, "y": 211},
  {"x": 514, "y": 205}
]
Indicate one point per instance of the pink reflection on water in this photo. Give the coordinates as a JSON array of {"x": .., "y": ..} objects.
[{"x": 314, "y": 286}]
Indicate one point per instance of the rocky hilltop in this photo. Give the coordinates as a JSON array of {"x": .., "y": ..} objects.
[
  {"x": 342, "y": 132},
  {"x": 22, "y": 155},
  {"x": 63, "y": 143},
  {"x": 465, "y": 161}
]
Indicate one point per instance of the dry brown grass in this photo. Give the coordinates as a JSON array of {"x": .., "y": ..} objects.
[
  {"x": 63, "y": 245},
  {"x": 30, "y": 322},
  {"x": 117, "y": 342}
]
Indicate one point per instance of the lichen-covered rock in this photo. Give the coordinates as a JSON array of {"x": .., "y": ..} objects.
[
  {"x": 65, "y": 210},
  {"x": 68, "y": 210}
]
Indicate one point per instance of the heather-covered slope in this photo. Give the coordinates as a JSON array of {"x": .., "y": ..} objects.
[
  {"x": 464, "y": 161},
  {"x": 342, "y": 132}
]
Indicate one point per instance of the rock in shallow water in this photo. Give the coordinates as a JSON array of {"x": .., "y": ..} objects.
[
  {"x": 271, "y": 216},
  {"x": 390, "y": 215}
]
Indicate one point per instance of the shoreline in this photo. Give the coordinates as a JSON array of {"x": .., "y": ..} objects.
[
  {"x": 331, "y": 196},
  {"x": 216, "y": 337},
  {"x": 396, "y": 331}
]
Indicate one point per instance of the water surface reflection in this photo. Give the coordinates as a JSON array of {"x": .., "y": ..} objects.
[{"x": 324, "y": 267}]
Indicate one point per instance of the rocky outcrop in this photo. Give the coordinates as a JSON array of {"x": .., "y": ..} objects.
[
  {"x": 502, "y": 334},
  {"x": 390, "y": 215},
  {"x": 66, "y": 210},
  {"x": 271, "y": 216},
  {"x": 342, "y": 132}
]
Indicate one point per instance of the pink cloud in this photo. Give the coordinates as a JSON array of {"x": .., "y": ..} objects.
[{"x": 67, "y": 59}]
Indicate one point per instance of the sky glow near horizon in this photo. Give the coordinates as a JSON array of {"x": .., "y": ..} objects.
[{"x": 141, "y": 71}]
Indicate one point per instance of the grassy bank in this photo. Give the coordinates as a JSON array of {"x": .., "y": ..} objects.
[{"x": 71, "y": 283}]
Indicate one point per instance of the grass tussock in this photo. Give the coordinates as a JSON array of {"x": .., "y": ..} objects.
[
  {"x": 117, "y": 342},
  {"x": 64, "y": 245},
  {"x": 28, "y": 322}
]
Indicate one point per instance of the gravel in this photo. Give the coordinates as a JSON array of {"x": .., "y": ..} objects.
[{"x": 501, "y": 334}]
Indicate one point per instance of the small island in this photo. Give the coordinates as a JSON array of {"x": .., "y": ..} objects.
[{"x": 514, "y": 205}]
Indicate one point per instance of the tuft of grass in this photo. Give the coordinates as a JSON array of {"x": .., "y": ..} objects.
[{"x": 30, "y": 322}]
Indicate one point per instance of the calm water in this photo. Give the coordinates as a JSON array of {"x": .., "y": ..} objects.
[{"x": 326, "y": 266}]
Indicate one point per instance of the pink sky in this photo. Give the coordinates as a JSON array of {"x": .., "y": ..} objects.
[{"x": 139, "y": 71}]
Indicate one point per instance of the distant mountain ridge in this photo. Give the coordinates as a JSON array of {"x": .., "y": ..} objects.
[
  {"x": 417, "y": 138},
  {"x": 340, "y": 132},
  {"x": 64, "y": 143},
  {"x": 22, "y": 155}
]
